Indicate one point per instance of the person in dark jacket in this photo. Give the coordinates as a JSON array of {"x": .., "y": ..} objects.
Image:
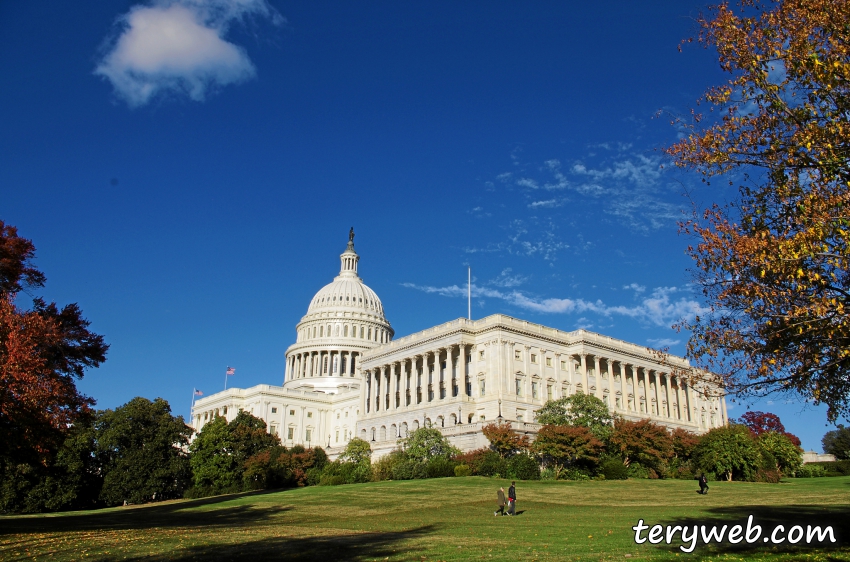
[
  {"x": 703, "y": 483},
  {"x": 512, "y": 499},
  {"x": 501, "y": 496}
]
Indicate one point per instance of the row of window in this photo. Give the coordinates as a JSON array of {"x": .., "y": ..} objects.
[
  {"x": 342, "y": 330},
  {"x": 374, "y": 305}
]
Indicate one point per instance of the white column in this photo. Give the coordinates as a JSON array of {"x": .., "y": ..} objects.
[
  {"x": 393, "y": 387},
  {"x": 585, "y": 381},
  {"x": 597, "y": 374},
  {"x": 667, "y": 411},
  {"x": 364, "y": 393}
]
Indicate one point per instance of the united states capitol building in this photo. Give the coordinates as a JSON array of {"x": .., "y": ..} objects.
[{"x": 347, "y": 376}]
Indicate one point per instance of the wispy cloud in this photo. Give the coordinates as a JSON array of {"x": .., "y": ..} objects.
[
  {"x": 507, "y": 278},
  {"x": 663, "y": 342},
  {"x": 178, "y": 47},
  {"x": 660, "y": 308}
]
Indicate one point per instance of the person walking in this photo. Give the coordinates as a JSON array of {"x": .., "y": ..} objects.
[
  {"x": 501, "y": 496},
  {"x": 512, "y": 499},
  {"x": 703, "y": 483}
]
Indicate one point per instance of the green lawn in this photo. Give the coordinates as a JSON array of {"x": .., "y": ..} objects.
[{"x": 442, "y": 519}]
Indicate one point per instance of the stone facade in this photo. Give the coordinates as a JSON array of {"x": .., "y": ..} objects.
[{"x": 346, "y": 376}]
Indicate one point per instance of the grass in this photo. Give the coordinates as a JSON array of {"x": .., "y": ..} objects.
[{"x": 442, "y": 519}]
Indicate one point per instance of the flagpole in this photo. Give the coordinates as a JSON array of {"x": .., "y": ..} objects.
[
  {"x": 225, "y": 378},
  {"x": 469, "y": 290}
]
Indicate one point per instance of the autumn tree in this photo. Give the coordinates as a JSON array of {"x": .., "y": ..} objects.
[
  {"x": 578, "y": 409},
  {"x": 44, "y": 350},
  {"x": 564, "y": 446},
  {"x": 504, "y": 440},
  {"x": 774, "y": 262},
  {"x": 762, "y": 422},
  {"x": 684, "y": 442},
  {"x": 642, "y": 441}
]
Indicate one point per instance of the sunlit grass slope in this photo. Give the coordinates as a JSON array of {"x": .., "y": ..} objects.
[{"x": 442, "y": 519}]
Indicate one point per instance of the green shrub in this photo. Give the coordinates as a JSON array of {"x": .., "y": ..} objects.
[
  {"x": 614, "y": 469},
  {"x": 769, "y": 476},
  {"x": 547, "y": 473},
  {"x": 409, "y": 470},
  {"x": 523, "y": 467},
  {"x": 331, "y": 480},
  {"x": 841, "y": 468},
  {"x": 573, "y": 474},
  {"x": 462, "y": 470},
  {"x": 440, "y": 467},
  {"x": 382, "y": 469},
  {"x": 638, "y": 471},
  {"x": 810, "y": 471}
]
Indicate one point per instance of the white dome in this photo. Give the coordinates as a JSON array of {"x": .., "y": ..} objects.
[
  {"x": 344, "y": 319},
  {"x": 348, "y": 294}
]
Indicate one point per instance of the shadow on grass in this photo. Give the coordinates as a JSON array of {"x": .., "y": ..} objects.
[
  {"x": 166, "y": 515},
  {"x": 769, "y": 518},
  {"x": 348, "y": 547}
]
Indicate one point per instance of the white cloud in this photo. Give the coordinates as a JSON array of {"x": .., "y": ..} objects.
[
  {"x": 663, "y": 342},
  {"x": 178, "y": 47},
  {"x": 527, "y": 182},
  {"x": 658, "y": 308},
  {"x": 548, "y": 204},
  {"x": 635, "y": 287}
]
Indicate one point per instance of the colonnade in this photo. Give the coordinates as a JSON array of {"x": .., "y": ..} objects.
[
  {"x": 530, "y": 375},
  {"x": 436, "y": 376},
  {"x": 334, "y": 362}
]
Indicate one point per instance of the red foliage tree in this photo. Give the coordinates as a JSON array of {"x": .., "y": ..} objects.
[
  {"x": 565, "y": 445},
  {"x": 642, "y": 441},
  {"x": 684, "y": 443},
  {"x": 762, "y": 422},
  {"x": 505, "y": 440},
  {"x": 42, "y": 352}
]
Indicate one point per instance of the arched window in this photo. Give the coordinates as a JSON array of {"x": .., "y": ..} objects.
[
  {"x": 321, "y": 331},
  {"x": 345, "y": 331},
  {"x": 325, "y": 365},
  {"x": 361, "y": 332},
  {"x": 382, "y": 435}
]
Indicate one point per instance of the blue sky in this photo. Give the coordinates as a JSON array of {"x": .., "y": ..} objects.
[{"x": 189, "y": 170}]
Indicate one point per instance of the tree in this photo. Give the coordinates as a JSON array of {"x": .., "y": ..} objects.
[
  {"x": 141, "y": 450},
  {"x": 728, "y": 451},
  {"x": 16, "y": 270},
  {"x": 774, "y": 263},
  {"x": 684, "y": 443},
  {"x": 788, "y": 456},
  {"x": 427, "y": 443},
  {"x": 357, "y": 451},
  {"x": 837, "y": 442},
  {"x": 762, "y": 422},
  {"x": 42, "y": 352},
  {"x": 642, "y": 441},
  {"x": 579, "y": 410},
  {"x": 221, "y": 449},
  {"x": 563, "y": 446},
  {"x": 505, "y": 440}
]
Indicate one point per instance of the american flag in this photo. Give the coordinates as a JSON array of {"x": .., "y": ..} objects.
[
  {"x": 230, "y": 371},
  {"x": 198, "y": 392}
]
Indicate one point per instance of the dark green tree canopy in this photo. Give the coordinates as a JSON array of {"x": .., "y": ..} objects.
[
  {"x": 837, "y": 442},
  {"x": 221, "y": 449},
  {"x": 141, "y": 449}
]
